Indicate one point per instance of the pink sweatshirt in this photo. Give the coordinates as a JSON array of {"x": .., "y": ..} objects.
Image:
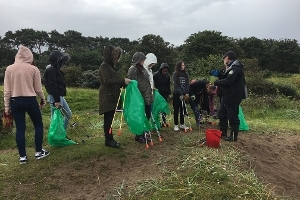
[{"x": 21, "y": 78}]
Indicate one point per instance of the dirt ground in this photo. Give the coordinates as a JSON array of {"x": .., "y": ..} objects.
[{"x": 276, "y": 160}]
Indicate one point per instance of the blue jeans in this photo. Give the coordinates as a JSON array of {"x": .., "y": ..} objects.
[
  {"x": 65, "y": 109},
  {"x": 19, "y": 106}
]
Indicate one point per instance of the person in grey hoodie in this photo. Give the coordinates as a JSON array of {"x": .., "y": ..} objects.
[
  {"x": 139, "y": 73},
  {"x": 180, "y": 93}
]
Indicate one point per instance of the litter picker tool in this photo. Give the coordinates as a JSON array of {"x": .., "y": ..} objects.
[
  {"x": 110, "y": 129},
  {"x": 185, "y": 115},
  {"x": 120, "y": 128},
  {"x": 156, "y": 128}
]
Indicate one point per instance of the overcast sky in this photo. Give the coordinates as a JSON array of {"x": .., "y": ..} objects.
[{"x": 173, "y": 20}]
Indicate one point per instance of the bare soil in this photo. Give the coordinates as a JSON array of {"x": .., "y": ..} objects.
[{"x": 275, "y": 158}]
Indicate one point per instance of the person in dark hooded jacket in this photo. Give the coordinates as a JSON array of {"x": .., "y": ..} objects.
[
  {"x": 162, "y": 83},
  {"x": 55, "y": 84},
  {"x": 109, "y": 91},
  {"x": 232, "y": 83}
]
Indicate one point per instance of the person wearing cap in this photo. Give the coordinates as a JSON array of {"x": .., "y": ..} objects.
[
  {"x": 138, "y": 72},
  {"x": 55, "y": 84},
  {"x": 109, "y": 90},
  {"x": 162, "y": 83},
  {"x": 232, "y": 84}
]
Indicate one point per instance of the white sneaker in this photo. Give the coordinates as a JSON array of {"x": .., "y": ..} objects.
[
  {"x": 42, "y": 154},
  {"x": 176, "y": 128},
  {"x": 183, "y": 126},
  {"x": 23, "y": 160}
]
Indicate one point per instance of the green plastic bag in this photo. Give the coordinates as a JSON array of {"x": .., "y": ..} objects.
[
  {"x": 243, "y": 124},
  {"x": 134, "y": 109},
  {"x": 159, "y": 105},
  {"x": 57, "y": 133}
]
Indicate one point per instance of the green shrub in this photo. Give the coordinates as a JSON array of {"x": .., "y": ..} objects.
[{"x": 287, "y": 90}]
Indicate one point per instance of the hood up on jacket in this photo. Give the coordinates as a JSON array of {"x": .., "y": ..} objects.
[
  {"x": 111, "y": 55},
  {"x": 58, "y": 59},
  {"x": 24, "y": 55},
  {"x": 162, "y": 66},
  {"x": 137, "y": 58},
  {"x": 150, "y": 58}
]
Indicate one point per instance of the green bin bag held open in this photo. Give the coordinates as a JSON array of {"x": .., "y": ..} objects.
[
  {"x": 243, "y": 124},
  {"x": 134, "y": 109},
  {"x": 57, "y": 133},
  {"x": 159, "y": 105}
]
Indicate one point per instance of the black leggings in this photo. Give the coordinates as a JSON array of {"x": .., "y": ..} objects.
[
  {"x": 177, "y": 105},
  {"x": 108, "y": 117},
  {"x": 148, "y": 111}
]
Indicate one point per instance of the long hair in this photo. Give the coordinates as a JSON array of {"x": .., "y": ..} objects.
[{"x": 178, "y": 71}]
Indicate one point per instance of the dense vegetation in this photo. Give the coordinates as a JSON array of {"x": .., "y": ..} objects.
[{"x": 201, "y": 52}]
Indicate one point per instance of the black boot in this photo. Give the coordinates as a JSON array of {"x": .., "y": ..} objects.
[
  {"x": 223, "y": 128},
  {"x": 110, "y": 142},
  {"x": 224, "y": 134},
  {"x": 232, "y": 137}
]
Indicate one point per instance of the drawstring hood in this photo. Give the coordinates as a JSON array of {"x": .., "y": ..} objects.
[{"x": 24, "y": 55}]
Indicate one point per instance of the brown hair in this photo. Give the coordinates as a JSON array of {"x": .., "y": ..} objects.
[{"x": 178, "y": 71}]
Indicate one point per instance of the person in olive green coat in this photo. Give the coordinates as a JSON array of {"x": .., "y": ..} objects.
[{"x": 110, "y": 84}]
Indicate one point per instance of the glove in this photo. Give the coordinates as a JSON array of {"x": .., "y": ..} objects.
[
  {"x": 186, "y": 97},
  {"x": 193, "y": 97},
  {"x": 215, "y": 73}
]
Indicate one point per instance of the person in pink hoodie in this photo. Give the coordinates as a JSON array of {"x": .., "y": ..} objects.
[{"x": 22, "y": 83}]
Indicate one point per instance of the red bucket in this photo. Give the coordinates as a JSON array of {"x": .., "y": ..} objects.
[{"x": 213, "y": 137}]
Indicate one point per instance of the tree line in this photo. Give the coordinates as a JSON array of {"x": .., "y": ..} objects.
[{"x": 201, "y": 52}]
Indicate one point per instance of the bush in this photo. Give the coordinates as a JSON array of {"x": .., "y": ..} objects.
[
  {"x": 90, "y": 79},
  {"x": 287, "y": 90}
]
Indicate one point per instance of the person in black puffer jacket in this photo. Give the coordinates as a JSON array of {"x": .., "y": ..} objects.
[
  {"x": 55, "y": 84},
  {"x": 232, "y": 84},
  {"x": 162, "y": 83}
]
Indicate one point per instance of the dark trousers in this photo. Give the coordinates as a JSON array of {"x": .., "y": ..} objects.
[
  {"x": 148, "y": 109},
  {"x": 229, "y": 112},
  {"x": 19, "y": 106},
  {"x": 108, "y": 117},
  {"x": 177, "y": 105},
  {"x": 195, "y": 107}
]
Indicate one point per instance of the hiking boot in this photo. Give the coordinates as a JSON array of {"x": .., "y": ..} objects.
[
  {"x": 176, "y": 128},
  {"x": 23, "y": 160},
  {"x": 42, "y": 154},
  {"x": 140, "y": 139},
  {"x": 183, "y": 126},
  {"x": 230, "y": 139},
  {"x": 112, "y": 143}
]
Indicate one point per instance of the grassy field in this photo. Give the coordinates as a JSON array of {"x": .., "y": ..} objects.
[{"x": 197, "y": 173}]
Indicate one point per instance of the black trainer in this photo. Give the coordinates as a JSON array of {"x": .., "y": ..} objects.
[{"x": 140, "y": 138}]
